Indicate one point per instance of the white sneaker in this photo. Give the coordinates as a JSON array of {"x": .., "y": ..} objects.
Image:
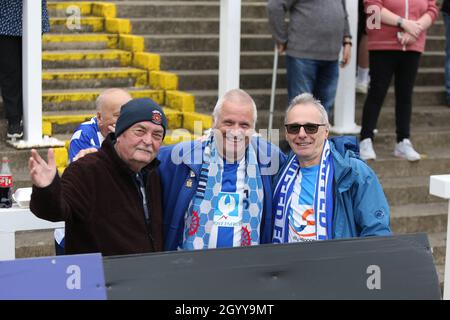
[
  {"x": 366, "y": 151},
  {"x": 362, "y": 86},
  {"x": 404, "y": 149}
]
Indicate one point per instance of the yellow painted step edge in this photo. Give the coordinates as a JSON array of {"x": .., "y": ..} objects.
[
  {"x": 146, "y": 60},
  {"x": 103, "y": 9},
  {"x": 196, "y": 122},
  {"x": 118, "y": 25},
  {"x": 179, "y": 100},
  {"x": 85, "y": 8},
  {"x": 163, "y": 80}
]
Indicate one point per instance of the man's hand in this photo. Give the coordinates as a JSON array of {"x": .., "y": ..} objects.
[
  {"x": 346, "y": 55},
  {"x": 281, "y": 48},
  {"x": 42, "y": 173},
  {"x": 84, "y": 152}
]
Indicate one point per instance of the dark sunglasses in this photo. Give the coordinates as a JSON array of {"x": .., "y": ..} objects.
[{"x": 310, "y": 128}]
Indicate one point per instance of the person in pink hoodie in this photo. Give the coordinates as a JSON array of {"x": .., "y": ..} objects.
[{"x": 396, "y": 39}]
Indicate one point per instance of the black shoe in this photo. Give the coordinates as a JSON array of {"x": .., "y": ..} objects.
[{"x": 15, "y": 131}]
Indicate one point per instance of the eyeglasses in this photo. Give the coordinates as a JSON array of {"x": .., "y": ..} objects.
[{"x": 310, "y": 128}]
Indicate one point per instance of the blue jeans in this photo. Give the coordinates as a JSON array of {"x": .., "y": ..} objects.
[
  {"x": 447, "y": 55},
  {"x": 318, "y": 77}
]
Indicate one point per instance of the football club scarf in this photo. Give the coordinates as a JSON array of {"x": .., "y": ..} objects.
[
  {"x": 323, "y": 197},
  {"x": 201, "y": 210}
]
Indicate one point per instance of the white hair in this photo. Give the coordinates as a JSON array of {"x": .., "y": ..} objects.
[
  {"x": 307, "y": 98},
  {"x": 237, "y": 96}
]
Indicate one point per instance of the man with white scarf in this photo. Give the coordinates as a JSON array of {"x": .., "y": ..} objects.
[
  {"x": 217, "y": 193},
  {"x": 324, "y": 191}
]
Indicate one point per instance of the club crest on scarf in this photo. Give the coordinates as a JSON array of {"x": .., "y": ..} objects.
[{"x": 214, "y": 214}]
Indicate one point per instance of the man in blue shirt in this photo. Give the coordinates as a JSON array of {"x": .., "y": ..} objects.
[
  {"x": 217, "y": 193},
  {"x": 89, "y": 135},
  {"x": 324, "y": 191}
]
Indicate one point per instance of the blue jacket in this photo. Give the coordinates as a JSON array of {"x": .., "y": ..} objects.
[
  {"x": 179, "y": 187},
  {"x": 360, "y": 207}
]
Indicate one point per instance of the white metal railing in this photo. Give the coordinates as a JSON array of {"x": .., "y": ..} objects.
[
  {"x": 32, "y": 70},
  {"x": 32, "y": 78},
  {"x": 230, "y": 45},
  {"x": 344, "y": 106},
  {"x": 440, "y": 187}
]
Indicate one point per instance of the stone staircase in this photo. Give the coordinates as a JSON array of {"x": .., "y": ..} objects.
[{"x": 185, "y": 35}]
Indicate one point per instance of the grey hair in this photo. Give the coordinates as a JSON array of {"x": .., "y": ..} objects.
[
  {"x": 101, "y": 97},
  {"x": 308, "y": 98},
  {"x": 237, "y": 96}
]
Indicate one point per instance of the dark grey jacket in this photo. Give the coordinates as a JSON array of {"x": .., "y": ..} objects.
[{"x": 315, "y": 30}]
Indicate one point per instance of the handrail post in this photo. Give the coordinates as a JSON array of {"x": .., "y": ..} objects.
[
  {"x": 440, "y": 187},
  {"x": 230, "y": 45},
  {"x": 344, "y": 106}
]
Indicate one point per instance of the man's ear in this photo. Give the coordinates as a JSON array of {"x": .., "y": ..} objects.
[{"x": 99, "y": 116}]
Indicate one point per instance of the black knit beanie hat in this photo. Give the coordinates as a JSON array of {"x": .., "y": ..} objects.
[{"x": 137, "y": 110}]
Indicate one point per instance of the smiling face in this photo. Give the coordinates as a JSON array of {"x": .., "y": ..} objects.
[
  {"x": 234, "y": 126},
  {"x": 307, "y": 147},
  {"x": 139, "y": 145}
]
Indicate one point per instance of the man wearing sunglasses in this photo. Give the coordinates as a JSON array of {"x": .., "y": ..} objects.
[
  {"x": 324, "y": 191},
  {"x": 217, "y": 193}
]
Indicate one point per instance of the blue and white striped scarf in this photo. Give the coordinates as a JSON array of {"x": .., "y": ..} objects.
[
  {"x": 201, "y": 210},
  {"x": 323, "y": 197}
]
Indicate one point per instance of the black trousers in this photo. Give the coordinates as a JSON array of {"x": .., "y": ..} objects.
[
  {"x": 403, "y": 65},
  {"x": 11, "y": 76}
]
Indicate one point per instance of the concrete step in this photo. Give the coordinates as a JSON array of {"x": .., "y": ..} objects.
[
  {"x": 435, "y": 43},
  {"x": 422, "y": 116},
  {"x": 440, "y": 270},
  {"x": 262, "y": 78},
  {"x": 249, "y": 42},
  {"x": 422, "y": 96},
  {"x": 203, "y": 42},
  {"x": 86, "y": 24},
  {"x": 437, "y": 242},
  {"x": 209, "y": 60},
  {"x": 93, "y": 78},
  {"x": 437, "y": 29},
  {"x": 407, "y": 190},
  {"x": 194, "y": 25},
  {"x": 423, "y": 139},
  {"x": 419, "y": 217},
  {"x": 84, "y": 99},
  {"x": 180, "y": 9},
  {"x": 82, "y": 41},
  {"x": 435, "y": 161},
  {"x": 36, "y": 243},
  {"x": 65, "y": 59}
]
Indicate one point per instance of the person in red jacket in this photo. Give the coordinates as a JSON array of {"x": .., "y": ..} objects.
[{"x": 396, "y": 38}]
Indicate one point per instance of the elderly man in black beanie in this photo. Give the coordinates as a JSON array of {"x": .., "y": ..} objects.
[{"x": 110, "y": 200}]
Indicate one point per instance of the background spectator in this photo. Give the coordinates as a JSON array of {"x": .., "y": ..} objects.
[
  {"x": 394, "y": 50},
  {"x": 11, "y": 62},
  {"x": 312, "y": 40}
]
